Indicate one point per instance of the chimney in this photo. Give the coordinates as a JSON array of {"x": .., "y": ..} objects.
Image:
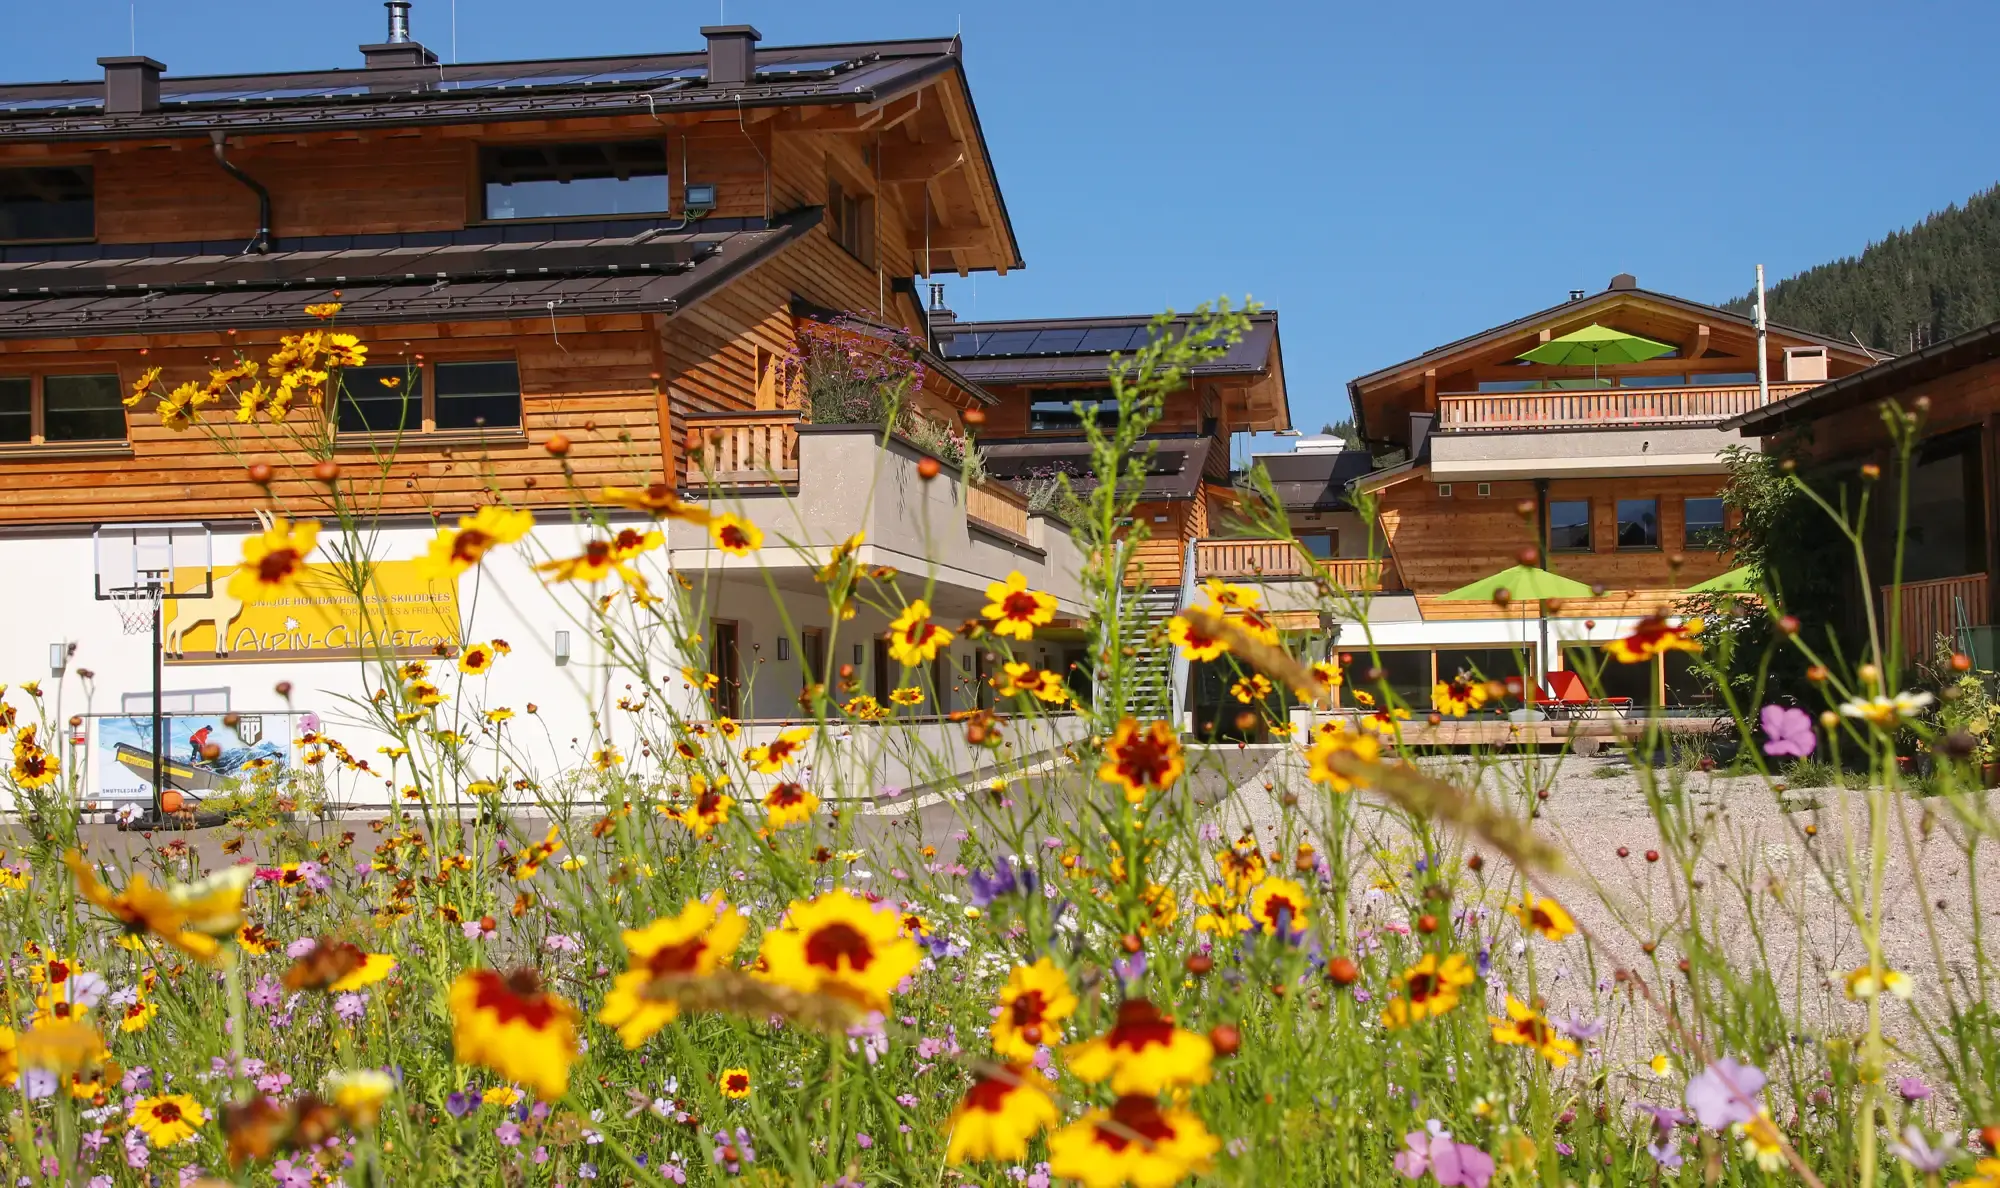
[
  {"x": 1420, "y": 431},
  {"x": 1623, "y": 280},
  {"x": 939, "y": 311},
  {"x": 1576, "y": 294},
  {"x": 131, "y": 85},
  {"x": 400, "y": 50},
  {"x": 732, "y": 54}
]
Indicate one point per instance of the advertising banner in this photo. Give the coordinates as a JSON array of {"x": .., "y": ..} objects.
[
  {"x": 404, "y": 615},
  {"x": 257, "y": 746}
]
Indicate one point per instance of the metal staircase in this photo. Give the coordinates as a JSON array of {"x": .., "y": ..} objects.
[{"x": 1158, "y": 688}]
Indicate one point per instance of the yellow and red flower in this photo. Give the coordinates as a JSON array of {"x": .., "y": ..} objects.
[
  {"x": 477, "y": 659},
  {"x": 734, "y": 535},
  {"x": 1538, "y": 913},
  {"x": 1458, "y": 696},
  {"x": 1333, "y": 750},
  {"x": 788, "y": 804},
  {"x": 838, "y": 943},
  {"x": 1142, "y": 760},
  {"x": 189, "y": 917},
  {"x": 1004, "y": 1108},
  {"x": 167, "y": 1119},
  {"x": 1526, "y": 1027},
  {"x": 274, "y": 560},
  {"x": 1654, "y": 636},
  {"x": 709, "y": 807},
  {"x": 1033, "y": 1004},
  {"x": 1429, "y": 989},
  {"x": 734, "y": 1083},
  {"x": 1014, "y": 610},
  {"x": 907, "y": 695},
  {"x": 693, "y": 944},
  {"x": 1279, "y": 907},
  {"x": 1194, "y": 642},
  {"x": 34, "y": 766},
  {"x": 772, "y": 756},
  {"x": 510, "y": 1025},
  {"x": 657, "y": 500},
  {"x": 1134, "y": 1142},
  {"x": 455, "y": 550},
  {"x": 1143, "y": 1052},
  {"x": 913, "y": 638}
]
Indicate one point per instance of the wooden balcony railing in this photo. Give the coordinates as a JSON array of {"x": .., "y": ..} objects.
[
  {"x": 998, "y": 507},
  {"x": 744, "y": 449},
  {"x": 1939, "y": 607},
  {"x": 1281, "y": 559},
  {"x": 1608, "y": 408}
]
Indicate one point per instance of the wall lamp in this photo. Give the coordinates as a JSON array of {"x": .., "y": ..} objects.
[
  {"x": 562, "y": 648},
  {"x": 58, "y": 658}
]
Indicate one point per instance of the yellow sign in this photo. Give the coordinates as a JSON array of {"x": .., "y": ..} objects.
[{"x": 401, "y": 614}]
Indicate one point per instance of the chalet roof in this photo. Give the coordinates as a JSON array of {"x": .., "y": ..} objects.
[
  {"x": 1078, "y": 350},
  {"x": 1175, "y": 471},
  {"x": 293, "y": 101},
  {"x": 1314, "y": 480},
  {"x": 644, "y": 271},
  {"x": 1879, "y": 382}
]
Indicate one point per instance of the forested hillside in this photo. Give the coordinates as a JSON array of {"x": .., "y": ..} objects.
[{"x": 1938, "y": 278}]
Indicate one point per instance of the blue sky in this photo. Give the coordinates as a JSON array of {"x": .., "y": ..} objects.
[{"x": 1389, "y": 176}]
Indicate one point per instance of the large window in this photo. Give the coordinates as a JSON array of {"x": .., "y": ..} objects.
[
  {"x": 61, "y": 408},
  {"x": 1321, "y": 545},
  {"x": 1703, "y": 528},
  {"x": 1569, "y": 526},
  {"x": 850, "y": 219},
  {"x": 1056, "y": 408},
  {"x": 450, "y": 396},
  {"x": 47, "y": 203},
  {"x": 556, "y": 181},
  {"x": 1638, "y": 523}
]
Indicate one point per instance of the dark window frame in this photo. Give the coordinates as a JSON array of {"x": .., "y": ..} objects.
[
  {"x": 1619, "y": 522},
  {"x": 1066, "y": 398},
  {"x": 1689, "y": 540},
  {"x": 38, "y": 419},
  {"x": 485, "y": 164},
  {"x": 1589, "y": 527},
  {"x": 850, "y": 220},
  {"x": 90, "y": 178},
  {"x": 425, "y": 421}
]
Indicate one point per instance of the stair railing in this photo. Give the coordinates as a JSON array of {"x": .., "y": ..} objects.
[{"x": 1177, "y": 687}]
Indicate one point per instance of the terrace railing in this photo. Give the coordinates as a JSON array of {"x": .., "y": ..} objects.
[
  {"x": 998, "y": 507},
  {"x": 1606, "y": 408},
  {"x": 1281, "y": 559},
  {"x": 744, "y": 449}
]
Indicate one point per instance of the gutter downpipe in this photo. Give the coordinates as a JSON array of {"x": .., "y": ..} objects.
[
  {"x": 261, "y": 242},
  {"x": 1763, "y": 355},
  {"x": 1542, "y": 559}
]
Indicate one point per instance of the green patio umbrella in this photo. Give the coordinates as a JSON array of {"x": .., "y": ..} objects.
[
  {"x": 1739, "y": 580},
  {"x": 1595, "y": 345},
  {"x": 1524, "y": 582}
]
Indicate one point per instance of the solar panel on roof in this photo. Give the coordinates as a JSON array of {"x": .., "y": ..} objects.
[
  {"x": 1055, "y": 342},
  {"x": 619, "y": 76},
  {"x": 44, "y": 104},
  {"x": 260, "y": 94},
  {"x": 803, "y": 67},
  {"x": 1106, "y": 339},
  {"x": 1004, "y": 342}
]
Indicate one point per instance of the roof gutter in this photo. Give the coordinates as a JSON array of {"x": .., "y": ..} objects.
[{"x": 261, "y": 242}]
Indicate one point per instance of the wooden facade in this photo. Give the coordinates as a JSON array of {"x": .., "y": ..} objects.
[{"x": 618, "y": 386}]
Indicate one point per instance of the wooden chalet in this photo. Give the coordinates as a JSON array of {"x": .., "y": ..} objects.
[{"x": 1949, "y": 589}]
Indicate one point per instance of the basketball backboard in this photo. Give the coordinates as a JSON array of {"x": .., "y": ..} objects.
[{"x": 173, "y": 560}]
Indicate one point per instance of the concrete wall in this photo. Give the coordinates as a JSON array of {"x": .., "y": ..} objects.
[{"x": 1577, "y": 453}]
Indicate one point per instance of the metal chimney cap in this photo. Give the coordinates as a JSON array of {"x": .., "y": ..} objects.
[
  {"x": 399, "y": 21},
  {"x": 139, "y": 60},
  {"x": 749, "y": 31}
]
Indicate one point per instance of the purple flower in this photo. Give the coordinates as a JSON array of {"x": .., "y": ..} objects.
[
  {"x": 1455, "y": 1164},
  {"x": 1579, "y": 1027},
  {"x": 301, "y": 947},
  {"x": 350, "y": 1007},
  {"x": 1665, "y": 1118},
  {"x": 508, "y": 1134},
  {"x": 863, "y": 1140},
  {"x": 458, "y": 1105},
  {"x": 293, "y": 1175},
  {"x": 1725, "y": 1093},
  {"x": 1004, "y": 881},
  {"x": 1667, "y": 1153},
  {"x": 1912, "y": 1089},
  {"x": 1131, "y": 969},
  {"x": 267, "y": 993},
  {"x": 1788, "y": 731},
  {"x": 562, "y": 942},
  {"x": 1917, "y": 1151}
]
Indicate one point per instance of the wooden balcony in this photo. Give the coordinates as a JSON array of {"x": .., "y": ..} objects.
[
  {"x": 1600, "y": 408},
  {"x": 999, "y": 507},
  {"x": 1282, "y": 559},
  {"x": 1938, "y": 607},
  {"x": 744, "y": 449}
]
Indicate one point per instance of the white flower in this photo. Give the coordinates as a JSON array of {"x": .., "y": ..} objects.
[{"x": 1887, "y": 711}]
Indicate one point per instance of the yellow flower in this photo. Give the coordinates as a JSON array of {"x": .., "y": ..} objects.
[
  {"x": 1230, "y": 597},
  {"x": 657, "y": 500},
  {"x": 143, "y": 386},
  {"x": 1543, "y": 915},
  {"x": 1660, "y": 1064},
  {"x": 708, "y": 809},
  {"x": 1332, "y": 749},
  {"x": 693, "y": 944},
  {"x": 178, "y": 408},
  {"x": 1134, "y": 1142},
  {"x": 734, "y": 1083},
  {"x": 1142, "y": 761},
  {"x": 1221, "y": 912},
  {"x": 1143, "y": 1052},
  {"x": 1014, "y": 610},
  {"x": 1654, "y": 637},
  {"x": 189, "y": 916},
  {"x": 907, "y": 695},
  {"x": 864, "y": 706},
  {"x": 455, "y": 550},
  {"x": 510, "y": 1025},
  {"x": 1194, "y": 643},
  {"x": 274, "y": 560},
  {"x": 138, "y": 1013},
  {"x": 838, "y": 943},
  {"x": 373, "y": 968},
  {"x": 1033, "y": 1004},
  {"x": 1431, "y": 987},
  {"x": 734, "y": 535},
  {"x": 33, "y": 766},
  {"x": 1251, "y": 688},
  {"x": 501, "y": 1095},
  {"x": 789, "y": 804},
  {"x": 1279, "y": 907},
  {"x": 1762, "y": 1141},
  {"x": 1004, "y": 1108},
  {"x": 598, "y": 560},
  {"x": 534, "y": 856},
  {"x": 324, "y": 309},
  {"x": 913, "y": 639},
  {"x": 1528, "y": 1028},
  {"x": 1458, "y": 696},
  {"x": 167, "y": 1119},
  {"x": 476, "y": 659},
  {"x": 1864, "y": 984},
  {"x": 772, "y": 756},
  {"x": 359, "y": 1093}
]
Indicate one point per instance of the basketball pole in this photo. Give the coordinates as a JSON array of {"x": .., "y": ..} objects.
[{"x": 159, "y": 742}]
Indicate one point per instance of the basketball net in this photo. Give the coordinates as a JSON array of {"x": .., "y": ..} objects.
[{"x": 136, "y": 605}]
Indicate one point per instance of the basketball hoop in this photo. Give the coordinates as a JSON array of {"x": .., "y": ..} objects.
[{"x": 136, "y": 606}]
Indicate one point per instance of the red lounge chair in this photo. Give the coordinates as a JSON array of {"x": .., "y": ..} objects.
[{"x": 1568, "y": 696}]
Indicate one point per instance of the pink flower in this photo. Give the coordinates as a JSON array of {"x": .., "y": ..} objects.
[
  {"x": 1788, "y": 731},
  {"x": 1454, "y": 1164}
]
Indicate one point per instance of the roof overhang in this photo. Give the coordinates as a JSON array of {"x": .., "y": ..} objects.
[{"x": 1879, "y": 382}]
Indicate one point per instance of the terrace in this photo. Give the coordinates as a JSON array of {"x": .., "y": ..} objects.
[
  {"x": 1263, "y": 560},
  {"x": 1603, "y": 408}
]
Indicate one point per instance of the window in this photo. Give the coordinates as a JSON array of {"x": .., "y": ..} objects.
[
  {"x": 1703, "y": 528},
  {"x": 726, "y": 662},
  {"x": 451, "y": 396},
  {"x": 1055, "y": 408},
  {"x": 65, "y": 408},
  {"x": 47, "y": 203},
  {"x": 1569, "y": 526},
  {"x": 1652, "y": 381},
  {"x": 850, "y": 219},
  {"x": 812, "y": 657},
  {"x": 1322, "y": 546},
  {"x": 1485, "y": 490},
  {"x": 1725, "y": 379},
  {"x": 555, "y": 181},
  {"x": 1638, "y": 523},
  {"x": 1444, "y": 490}
]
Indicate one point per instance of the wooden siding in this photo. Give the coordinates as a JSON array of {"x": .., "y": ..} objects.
[{"x": 1439, "y": 544}]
